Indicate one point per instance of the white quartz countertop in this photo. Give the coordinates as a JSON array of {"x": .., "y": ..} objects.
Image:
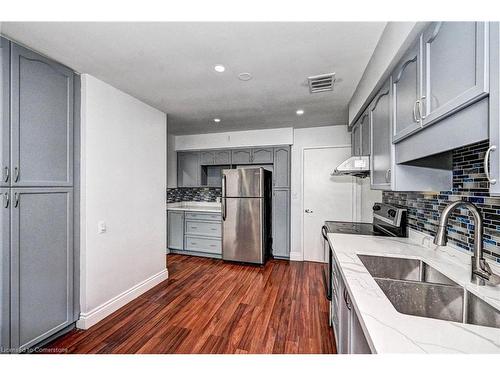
[
  {"x": 387, "y": 330},
  {"x": 195, "y": 206}
]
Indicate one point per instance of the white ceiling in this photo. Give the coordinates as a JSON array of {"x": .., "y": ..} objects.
[{"x": 170, "y": 66}]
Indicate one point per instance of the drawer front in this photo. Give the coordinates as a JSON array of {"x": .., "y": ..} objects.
[
  {"x": 208, "y": 216},
  {"x": 204, "y": 228},
  {"x": 203, "y": 245}
]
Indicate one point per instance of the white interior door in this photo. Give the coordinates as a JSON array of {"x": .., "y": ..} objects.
[{"x": 325, "y": 197}]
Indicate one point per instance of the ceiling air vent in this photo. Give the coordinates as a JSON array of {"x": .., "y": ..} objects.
[{"x": 323, "y": 82}]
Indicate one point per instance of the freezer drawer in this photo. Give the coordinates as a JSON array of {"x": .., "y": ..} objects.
[{"x": 242, "y": 230}]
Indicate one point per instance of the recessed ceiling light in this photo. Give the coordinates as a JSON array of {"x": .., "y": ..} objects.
[
  {"x": 216, "y": 119},
  {"x": 244, "y": 76},
  {"x": 219, "y": 68},
  {"x": 299, "y": 112}
]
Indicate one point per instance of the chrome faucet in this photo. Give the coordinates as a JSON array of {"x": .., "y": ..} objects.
[{"x": 481, "y": 271}]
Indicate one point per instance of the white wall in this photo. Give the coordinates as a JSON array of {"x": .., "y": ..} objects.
[
  {"x": 265, "y": 137},
  {"x": 123, "y": 177},
  {"x": 365, "y": 198},
  {"x": 171, "y": 162},
  {"x": 395, "y": 39}
]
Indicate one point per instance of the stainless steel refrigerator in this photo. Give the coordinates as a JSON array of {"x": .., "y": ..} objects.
[{"x": 246, "y": 215}]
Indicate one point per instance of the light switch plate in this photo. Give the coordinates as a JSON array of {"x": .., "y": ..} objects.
[{"x": 101, "y": 227}]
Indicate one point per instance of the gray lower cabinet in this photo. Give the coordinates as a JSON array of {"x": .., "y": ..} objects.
[
  {"x": 42, "y": 107},
  {"x": 4, "y": 270},
  {"x": 188, "y": 169},
  {"x": 455, "y": 67},
  {"x": 41, "y": 263},
  {"x": 175, "y": 231},
  {"x": 4, "y": 112},
  {"x": 195, "y": 233},
  {"x": 262, "y": 155},
  {"x": 243, "y": 156},
  {"x": 203, "y": 245},
  {"x": 348, "y": 331},
  {"x": 281, "y": 169},
  {"x": 281, "y": 223}
]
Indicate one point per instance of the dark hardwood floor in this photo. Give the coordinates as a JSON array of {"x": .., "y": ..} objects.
[{"x": 209, "y": 306}]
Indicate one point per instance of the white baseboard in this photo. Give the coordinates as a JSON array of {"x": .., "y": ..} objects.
[
  {"x": 296, "y": 256},
  {"x": 95, "y": 315}
]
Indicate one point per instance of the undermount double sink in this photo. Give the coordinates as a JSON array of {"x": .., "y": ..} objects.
[{"x": 415, "y": 288}]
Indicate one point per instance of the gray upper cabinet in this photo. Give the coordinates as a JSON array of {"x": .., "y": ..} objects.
[
  {"x": 175, "y": 232},
  {"x": 41, "y": 263},
  {"x": 360, "y": 136},
  {"x": 188, "y": 169},
  {"x": 262, "y": 155},
  {"x": 42, "y": 101},
  {"x": 4, "y": 112},
  {"x": 222, "y": 157},
  {"x": 281, "y": 223},
  {"x": 356, "y": 140},
  {"x": 406, "y": 92},
  {"x": 365, "y": 134},
  {"x": 243, "y": 156},
  {"x": 281, "y": 171},
  {"x": 381, "y": 145},
  {"x": 4, "y": 269},
  {"x": 455, "y": 67},
  {"x": 207, "y": 157}
]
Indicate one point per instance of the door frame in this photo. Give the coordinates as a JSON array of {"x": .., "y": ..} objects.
[{"x": 302, "y": 186}]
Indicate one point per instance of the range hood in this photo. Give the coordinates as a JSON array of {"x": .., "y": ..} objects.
[{"x": 358, "y": 166}]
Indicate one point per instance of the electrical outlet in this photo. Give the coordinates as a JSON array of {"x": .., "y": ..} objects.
[{"x": 101, "y": 227}]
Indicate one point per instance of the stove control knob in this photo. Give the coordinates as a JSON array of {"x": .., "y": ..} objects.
[
  {"x": 376, "y": 207},
  {"x": 391, "y": 213}
]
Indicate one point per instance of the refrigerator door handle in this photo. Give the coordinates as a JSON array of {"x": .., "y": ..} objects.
[{"x": 223, "y": 200}]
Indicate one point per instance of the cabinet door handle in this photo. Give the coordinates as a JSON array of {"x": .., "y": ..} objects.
[
  {"x": 16, "y": 199},
  {"x": 492, "y": 181},
  {"x": 421, "y": 107},
  {"x": 16, "y": 174},
  {"x": 6, "y": 200},
  {"x": 6, "y": 174},
  {"x": 388, "y": 175},
  {"x": 415, "y": 112}
]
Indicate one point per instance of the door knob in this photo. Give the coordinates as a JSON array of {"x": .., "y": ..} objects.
[{"x": 308, "y": 211}]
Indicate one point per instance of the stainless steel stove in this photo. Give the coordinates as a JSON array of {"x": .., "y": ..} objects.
[{"x": 388, "y": 220}]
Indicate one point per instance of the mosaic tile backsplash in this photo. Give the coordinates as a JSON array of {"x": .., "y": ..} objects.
[
  {"x": 198, "y": 194},
  {"x": 469, "y": 184}
]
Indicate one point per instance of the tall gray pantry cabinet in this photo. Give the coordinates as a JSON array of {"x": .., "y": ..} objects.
[{"x": 39, "y": 196}]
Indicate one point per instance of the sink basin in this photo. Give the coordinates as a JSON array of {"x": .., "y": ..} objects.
[
  {"x": 415, "y": 288},
  {"x": 403, "y": 269}
]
